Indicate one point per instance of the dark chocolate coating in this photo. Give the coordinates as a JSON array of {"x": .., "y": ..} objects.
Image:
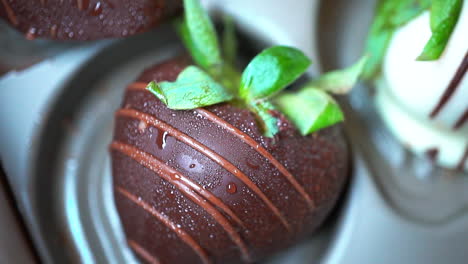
[
  {"x": 85, "y": 19},
  {"x": 162, "y": 218}
]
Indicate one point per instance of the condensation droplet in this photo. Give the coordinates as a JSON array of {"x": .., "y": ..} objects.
[
  {"x": 231, "y": 188},
  {"x": 142, "y": 126},
  {"x": 31, "y": 34},
  {"x": 251, "y": 164},
  {"x": 161, "y": 140},
  {"x": 53, "y": 30},
  {"x": 97, "y": 10}
]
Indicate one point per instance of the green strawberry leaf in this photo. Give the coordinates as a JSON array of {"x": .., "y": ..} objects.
[
  {"x": 217, "y": 80},
  {"x": 229, "y": 41},
  {"x": 389, "y": 16},
  {"x": 193, "y": 89},
  {"x": 271, "y": 71},
  {"x": 340, "y": 81},
  {"x": 444, "y": 17},
  {"x": 199, "y": 36},
  {"x": 310, "y": 109}
]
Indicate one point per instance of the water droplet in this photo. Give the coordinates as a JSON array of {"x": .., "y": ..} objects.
[
  {"x": 231, "y": 188},
  {"x": 32, "y": 33},
  {"x": 161, "y": 140},
  {"x": 142, "y": 126},
  {"x": 53, "y": 30},
  {"x": 97, "y": 10},
  {"x": 251, "y": 164}
]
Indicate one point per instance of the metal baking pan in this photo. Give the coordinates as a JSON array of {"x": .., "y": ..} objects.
[{"x": 60, "y": 113}]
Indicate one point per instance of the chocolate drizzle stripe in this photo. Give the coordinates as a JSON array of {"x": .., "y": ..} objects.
[
  {"x": 213, "y": 199},
  {"x": 11, "y": 15},
  {"x": 149, "y": 119},
  {"x": 464, "y": 158},
  {"x": 82, "y": 4},
  {"x": 175, "y": 178},
  {"x": 452, "y": 87},
  {"x": 461, "y": 121},
  {"x": 137, "y": 86},
  {"x": 166, "y": 221},
  {"x": 142, "y": 252},
  {"x": 262, "y": 151},
  {"x": 432, "y": 154}
]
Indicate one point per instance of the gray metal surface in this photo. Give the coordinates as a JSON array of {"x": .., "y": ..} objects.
[
  {"x": 15, "y": 246},
  {"x": 57, "y": 123}
]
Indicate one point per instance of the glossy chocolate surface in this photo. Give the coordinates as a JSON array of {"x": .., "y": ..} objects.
[
  {"x": 85, "y": 19},
  {"x": 204, "y": 186}
]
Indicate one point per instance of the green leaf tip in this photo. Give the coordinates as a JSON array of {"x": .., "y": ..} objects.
[
  {"x": 389, "y": 16},
  {"x": 271, "y": 71},
  {"x": 193, "y": 89},
  {"x": 376, "y": 46},
  {"x": 154, "y": 88},
  {"x": 392, "y": 14},
  {"x": 341, "y": 81},
  {"x": 444, "y": 17},
  {"x": 199, "y": 35},
  {"x": 313, "y": 109}
]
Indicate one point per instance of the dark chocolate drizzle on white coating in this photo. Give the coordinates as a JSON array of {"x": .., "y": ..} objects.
[{"x": 450, "y": 90}]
